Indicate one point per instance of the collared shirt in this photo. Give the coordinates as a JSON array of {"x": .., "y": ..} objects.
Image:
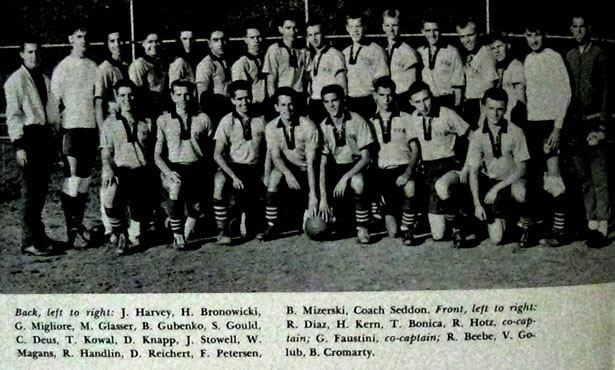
[
  {"x": 403, "y": 63},
  {"x": 394, "y": 148},
  {"x": 327, "y": 68},
  {"x": 214, "y": 73},
  {"x": 148, "y": 74},
  {"x": 437, "y": 132},
  {"x": 180, "y": 69},
  {"x": 184, "y": 141},
  {"x": 480, "y": 73},
  {"x": 107, "y": 75},
  {"x": 72, "y": 84},
  {"x": 365, "y": 64},
  {"x": 243, "y": 143},
  {"x": 498, "y": 153},
  {"x": 588, "y": 78},
  {"x": 249, "y": 68},
  {"x": 345, "y": 143},
  {"x": 127, "y": 143},
  {"x": 294, "y": 141},
  {"x": 442, "y": 70},
  {"x": 24, "y": 105},
  {"x": 511, "y": 75},
  {"x": 548, "y": 86},
  {"x": 288, "y": 66}
]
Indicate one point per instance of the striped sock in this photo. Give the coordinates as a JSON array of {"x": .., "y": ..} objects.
[
  {"x": 271, "y": 208},
  {"x": 177, "y": 225},
  {"x": 525, "y": 222},
  {"x": 220, "y": 213},
  {"x": 376, "y": 210},
  {"x": 361, "y": 210},
  {"x": 451, "y": 221},
  {"x": 559, "y": 221},
  {"x": 408, "y": 220}
]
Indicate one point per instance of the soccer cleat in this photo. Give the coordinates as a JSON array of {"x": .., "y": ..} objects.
[
  {"x": 32, "y": 250},
  {"x": 595, "y": 239},
  {"x": 409, "y": 238},
  {"x": 458, "y": 240},
  {"x": 391, "y": 225},
  {"x": 76, "y": 239},
  {"x": 179, "y": 241},
  {"x": 363, "y": 235},
  {"x": 121, "y": 245},
  {"x": 554, "y": 240},
  {"x": 269, "y": 234},
  {"x": 524, "y": 240},
  {"x": 223, "y": 239}
]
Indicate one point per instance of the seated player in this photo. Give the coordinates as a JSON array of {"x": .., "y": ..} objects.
[
  {"x": 397, "y": 159},
  {"x": 182, "y": 139},
  {"x": 292, "y": 141},
  {"x": 126, "y": 167},
  {"x": 345, "y": 156},
  {"x": 239, "y": 154},
  {"x": 496, "y": 163},
  {"x": 437, "y": 129}
]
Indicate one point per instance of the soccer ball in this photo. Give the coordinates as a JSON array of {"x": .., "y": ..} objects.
[{"x": 316, "y": 228}]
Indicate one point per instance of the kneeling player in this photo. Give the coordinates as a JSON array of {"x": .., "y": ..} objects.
[
  {"x": 239, "y": 143},
  {"x": 184, "y": 136},
  {"x": 292, "y": 141},
  {"x": 436, "y": 129},
  {"x": 345, "y": 155},
  {"x": 397, "y": 158},
  {"x": 496, "y": 164},
  {"x": 126, "y": 167}
]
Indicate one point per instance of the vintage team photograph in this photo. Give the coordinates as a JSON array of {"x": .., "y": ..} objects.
[{"x": 305, "y": 146}]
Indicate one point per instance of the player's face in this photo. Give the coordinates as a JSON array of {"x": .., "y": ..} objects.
[
  {"x": 579, "y": 30},
  {"x": 253, "y": 40},
  {"x": 217, "y": 43},
  {"x": 495, "y": 110},
  {"x": 187, "y": 40},
  {"x": 384, "y": 98},
  {"x": 534, "y": 40},
  {"x": 286, "y": 107},
  {"x": 390, "y": 26},
  {"x": 422, "y": 101},
  {"x": 314, "y": 36},
  {"x": 151, "y": 45},
  {"x": 499, "y": 50},
  {"x": 30, "y": 55},
  {"x": 355, "y": 29},
  {"x": 125, "y": 98},
  {"x": 181, "y": 96},
  {"x": 113, "y": 43},
  {"x": 431, "y": 31},
  {"x": 289, "y": 30},
  {"x": 332, "y": 104},
  {"x": 242, "y": 101},
  {"x": 467, "y": 36},
  {"x": 79, "y": 41}
]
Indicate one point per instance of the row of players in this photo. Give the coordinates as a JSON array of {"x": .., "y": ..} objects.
[{"x": 540, "y": 83}]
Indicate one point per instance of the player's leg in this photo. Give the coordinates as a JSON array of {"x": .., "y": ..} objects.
[
  {"x": 496, "y": 230},
  {"x": 553, "y": 184},
  {"x": 175, "y": 207},
  {"x": 361, "y": 209},
  {"x": 221, "y": 206},
  {"x": 409, "y": 214},
  {"x": 114, "y": 203},
  {"x": 272, "y": 204},
  {"x": 443, "y": 189}
]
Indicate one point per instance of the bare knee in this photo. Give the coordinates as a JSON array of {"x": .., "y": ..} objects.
[
  {"x": 357, "y": 184},
  {"x": 437, "y": 225},
  {"x": 409, "y": 189},
  {"x": 443, "y": 184},
  {"x": 274, "y": 180},
  {"x": 219, "y": 182},
  {"x": 496, "y": 231},
  {"x": 518, "y": 191}
]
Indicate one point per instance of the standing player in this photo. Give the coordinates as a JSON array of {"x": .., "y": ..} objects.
[
  {"x": 365, "y": 63},
  {"x": 239, "y": 153},
  {"x": 126, "y": 167},
  {"x": 292, "y": 140},
  {"x": 587, "y": 66},
  {"x": 185, "y": 60},
  {"x": 345, "y": 155},
  {"x": 183, "y": 136},
  {"x": 327, "y": 68},
  {"x": 496, "y": 163},
  {"x": 109, "y": 72},
  {"x": 148, "y": 75},
  {"x": 403, "y": 60},
  {"x": 72, "y": 85},
  {"x": 28, "y": 108},
  {"x": 548, "y": 96},
  {"x": 286, "y": 62},
  {"x": 442, "y": 66},
  {"x": 249, "y": 67},
  {"x": 479, "y": 68},
  {"x": 213, "y": 76},
  {"x": 397, "y": 159},
  {"x": 436, "y": 129},
  {"x": 511, "y": 77}
]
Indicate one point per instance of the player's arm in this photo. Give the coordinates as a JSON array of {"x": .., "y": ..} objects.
[
  {"x": 15, "y": 122},
  {"x": 203, "y": 79},
  {"x": 270, "y": 67},
  {"x": 158, "y": 158},
  {"x": 107, "y": 175},
  {"x": 280, "y": 165},
  {"x": 323, "y": 207},
  {"x": 479, "y": 211},
  {"x": 272, "y": 82},
  {"x": 310, "y": 157},
  {"x": 221, "y": 161},
  {"x": 403, "y": 179}
]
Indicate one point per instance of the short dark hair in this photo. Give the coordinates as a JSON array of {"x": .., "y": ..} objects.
[
  {"x": 497, "y": 36},
  {"x": 287, "y": 16},
  {"x": 215, "y": 28},
  {"x": 533, "y": 24},
  {"x": 285, "y": 91},
  {"x": 251, "y": 27},
  {"x": 465, "y": 22},
  {"x": 391, "y": 13},
  {"x": 430, "y": 17},
  {"x": 124, "y": 83},
  {"x": 75, "y": 26},
  {"x": 235, "y": 86},
  {"x": 332, "y": 89},
  {"x": 146, "y": 33},
  {"x": 385, "y": 82},
  {"x": 495, "y": 93},
  {"x": 355, "y": 14},
  {"x": 28, "y": 39},
  {"x": 417, "y": 87},
  {"x": 315, "y": 22},
  {"x": 182, "y": 83}
]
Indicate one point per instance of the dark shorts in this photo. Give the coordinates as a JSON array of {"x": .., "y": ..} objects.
[
  {"x": 335, "y": 172},
  {"x": 135, "y": 191},
  {"x": 81, "y": 144},
  {"x": 432, "y": 172},
  {"x": 502, "y": 201},
  {"x": 384, "y": 184},
  {"x": 249, "y": 174},
  {"x": 194, "y": 179}
]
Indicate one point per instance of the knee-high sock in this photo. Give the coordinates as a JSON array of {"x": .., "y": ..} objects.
[
  {"x": 271, "y": 208},
  {"x": 361, "y": 210}
]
